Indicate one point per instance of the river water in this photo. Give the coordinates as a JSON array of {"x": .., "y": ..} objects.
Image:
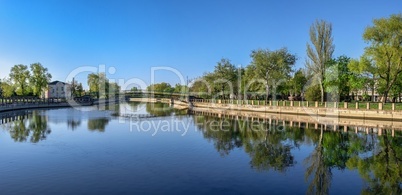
[{"x": 143, "y": 148}]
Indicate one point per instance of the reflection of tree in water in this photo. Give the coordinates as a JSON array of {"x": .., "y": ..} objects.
[
  {"x": 267, "y": 149},
  {"x": 35, "y": 128},
  {"x": 39, "y": 128},
  {"x": 332, "y": 150},
  {"x": 383, "y": 169},
  {"x": 135, "y": 106},
  {"x": 272, "y": 150},
  {"x": 98, "y": 124},
  {"x": 159, "y": 109},
  {"x": 225, "y": 137},
  {"x": 73, "y": 124},
  {"x": 318, "y": 173}
]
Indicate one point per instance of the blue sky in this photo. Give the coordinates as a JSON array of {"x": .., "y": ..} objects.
[{"x": 190, "y": 36}]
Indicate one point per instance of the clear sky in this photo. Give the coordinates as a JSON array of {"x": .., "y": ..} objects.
[{"x": 188, "y": 35}]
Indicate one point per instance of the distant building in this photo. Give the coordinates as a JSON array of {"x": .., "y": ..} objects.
[{"x": 58, "y": 89}]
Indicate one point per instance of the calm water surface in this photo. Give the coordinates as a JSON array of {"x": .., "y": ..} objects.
[{"x": 140, "y": 148}]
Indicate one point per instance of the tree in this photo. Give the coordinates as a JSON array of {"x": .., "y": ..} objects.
[
  {"x": 225, "y": 74},
  {"x": 337, "y": 78},
  {"x": 362, "y": 76},
  {"x": 19, "y": 75},
  {"x": 385, "y": 49},
  {"x": 96, "y": 82},
  {"x": 201, "y": 87},
  {"x": 320, "y": 51},
  {"x": 250, "y": 82},
  {"x": 161, "y": 87},
  {"x": 40, "y": 77},
  {"x": 113, "y": 89},
  {"x": 7, "y": 88},
  {"x": 297, "y": 83},
  {"x": 272, "y": 66},
  {"x": 76, "y": 88}
]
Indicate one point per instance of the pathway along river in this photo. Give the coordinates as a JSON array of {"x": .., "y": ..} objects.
[{"x": 140, "y": 148}]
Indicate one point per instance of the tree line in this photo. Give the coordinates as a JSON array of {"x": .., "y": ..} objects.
[
  {"x": 25, "y": 81},
  {"x": 33, "y": 81},
  {"x": 271, "y": 73},
  {"x": 100, "y": 86}
]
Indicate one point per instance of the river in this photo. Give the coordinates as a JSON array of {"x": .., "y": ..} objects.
[{"x": 140, "y": 148}]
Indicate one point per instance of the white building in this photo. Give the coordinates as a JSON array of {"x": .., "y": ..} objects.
[{"x": 58, "y": 89}]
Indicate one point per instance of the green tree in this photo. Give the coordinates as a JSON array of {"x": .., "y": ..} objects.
[
  {"x": 362, "y": 76},
  {"x": 98, "y": 84},
  {"x": 225, "y": 77},
  {"x": 385, "y": 49},
  {"x": 251, "y": 84},
  {"x": 201, "y": 87},
  {"x": 7, "y": 88},
  {"x": 40, "y": 77},
  {"x": 337, "y": 78},
  {"x": 161, "y": 87},
  {"x": 297, "y": 83},
  {"x": 19, "y": 75},
  {"x": 312, "y": 93},
  {"x": 320, "y": 51},
  {"x": 180, "y": 88},
  {"x": 113, "y": 89},
  {"x": 272, "y": 66}
]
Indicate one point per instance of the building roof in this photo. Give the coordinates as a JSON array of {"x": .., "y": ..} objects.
[{"x": 55, "y": 82}]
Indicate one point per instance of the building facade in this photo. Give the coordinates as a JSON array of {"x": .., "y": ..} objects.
[{"x": 58, "y": 89}]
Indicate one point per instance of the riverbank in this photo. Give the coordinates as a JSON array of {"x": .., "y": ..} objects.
[
  {"x": 316, "y": 112},
  {"x": 13, "y": 107},
  {"x": 23, "y": 106}
]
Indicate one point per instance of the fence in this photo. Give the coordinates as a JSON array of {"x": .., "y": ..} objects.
[{"x": 312, "y": 104}]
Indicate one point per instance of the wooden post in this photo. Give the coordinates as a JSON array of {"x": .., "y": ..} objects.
[
  {"x": 380, "y": 106},
  {"x": 335, "y": 104},
  {"x": 291, "y": 103},
  {"x": 316, "y": 104},
  {"x": 368, "y": 106},
  {"x": 325, "y": 104},
  {"x": 357, "y": 105},
  {"x": 345, "y": 105},
  {"x": 284, "y": 103},
  {"x": 307, "y": 104},
  {"x": 393, "y": 106}
]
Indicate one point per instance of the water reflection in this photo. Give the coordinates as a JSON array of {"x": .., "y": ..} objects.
[
  {"x": 25, "y": 126},
  {"x": 98, "y": 124},
  {"x": 163, "y": 109},
  {"x": 271, "y": 144},
  {"x": 382, "y": 169},
  {"x": 377, "y": 158}
]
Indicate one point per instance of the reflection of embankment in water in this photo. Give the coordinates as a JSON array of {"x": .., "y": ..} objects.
[
  {"x": 376, "y": 158},
  {"x": 308, "y": 122},
  {"x": 25, "y": 125},
  {"x": 7, "y": 117}
]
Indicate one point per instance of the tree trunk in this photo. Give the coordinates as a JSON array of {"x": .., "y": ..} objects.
[
  {"x": 266, "y": 98},
  {"x": 384, "y": 100},
  {"x": 322, "y": 90}
]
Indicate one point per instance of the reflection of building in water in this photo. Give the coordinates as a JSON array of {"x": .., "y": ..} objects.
[{"x": 302, "y": 121}]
